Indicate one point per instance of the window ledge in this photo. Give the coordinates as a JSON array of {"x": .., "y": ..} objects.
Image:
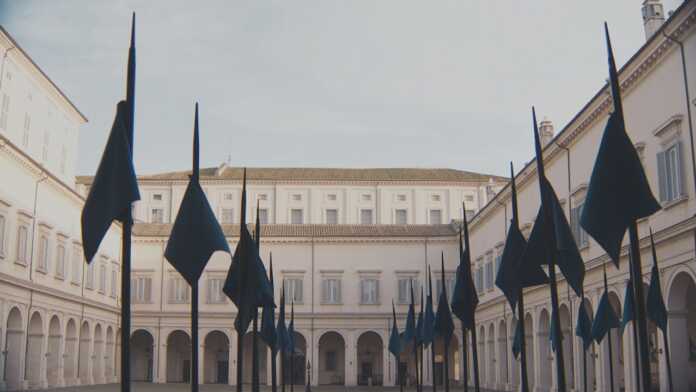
[
  {"x": 370, "y": 303},
  {"x": 328, "y": 303},
  {"x": 679, "y": 200}
]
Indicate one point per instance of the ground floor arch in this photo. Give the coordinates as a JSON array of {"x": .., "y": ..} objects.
[
  {"x": 98, "y": 358},
  {"x": 109, "y": 364},
  {"x": 452, "y": 346},
  {"x": 370, "y": 359},
  {"x": 248, "y": 355},
  {"x": 53, "y": 351},
  {"x": 14, "y": 339},
  {"x": 617, "y": 351},
  {"x": 141, "y": 356},
  {"x": 682, "y": 330},
  {"x": 178, "y": 357},
  {"x": 35, "y": 351},
  {"x": 503, "y": 352},
  {"x": 332, "y": 352},
  {"x": 589, "y": 355},
  {"x": 296, "y": 375},
  {"x": 529, "y": 345},
  {"x": 84, "y": 354},
  {"x": 70, "y": 352},
  {"x": 568, "y": 346},
  {"x": 216, "y": 358},
  {"x": 546, "y": 363}
]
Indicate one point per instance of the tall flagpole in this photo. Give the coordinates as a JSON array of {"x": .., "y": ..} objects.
[
  {"x": 523, "y": 343},
  {"x": 584, "y": 350},
  {"x": 127, "y": 227},
  {"x": 611, "y": 350},
  {"x": 636, "y": 360},
  {"x": 194, "y": 337}
]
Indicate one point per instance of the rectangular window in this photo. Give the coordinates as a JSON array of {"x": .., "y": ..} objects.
[
  {"x": 60, "y": 261},
  {"x": 400, "y": 197},
  {"x": 435, "y": 217},
  {"x": 469, "y": 198},
  {"x": 76, "y": 264},
  {"x": 227, "y": 196},
  {"x": 102, "y": 278},
  {"x": 22, "y": 234},
  {"x": 227, "y": 216},
  {"x": 293, "y": 290},
  {"x": 369, "y": 291},
  {"x": 156, "y": 197},
  {"x": 581, "y": 238},
  {"x": 296, "y": 217},
  {"x": 400, "y": 217},
  {"x": 262, "y": 196},
  {"x": 365, "y": 217},
  {"x": 263, "y": 216},
  {"x": 404, "y": 290},
  {"x": 297, "y": 197},
  {"x": 214, "y": 291},
  {"x": 331, "y": 197},
  {"x": 669, "y": 165},
  {"x": 332, "y": 217},
  {"x": 479, "y": 279},
  {"x": 179, "y": 291},
  {"x": 4, "y": 111},
  {"x": 157, "y": 215},
  {"x": 435, "y": 197},
  {"x": 366, "y": 197},
  {"x": 141, "y": 290},
  {"x": 114, "y": 281},
  {"x": 498, "y": 260},
  {"x": 331, "y": 291},
  {"x": 3, "y": 224},
  {"x": 42, "y": 264},
  {"x": 89, "y": 283},
  {"x": 470, "y": 214},
  {"x": 489, "y": 275}
]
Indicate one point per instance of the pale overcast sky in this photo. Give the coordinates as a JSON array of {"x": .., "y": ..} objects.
[{"x": 328, "y": 83}]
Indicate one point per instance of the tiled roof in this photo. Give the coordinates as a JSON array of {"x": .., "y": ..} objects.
[
  {"x": 314, "y": 230},
  {"x": 321, "y": 174}
]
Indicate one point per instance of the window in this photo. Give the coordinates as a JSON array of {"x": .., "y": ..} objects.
[
  {"x": 366, "y": 197},
  {"x": 156, "y": 197},
  {"x": 76, "y": 264},
  {"x": 43, "y": 253},
  {"x": 157, "y": 215},
  {"x": 262, "y": 196},
  {"x": 581, "y": 238},
  {"x": 22, "y": 234},
  {"x": 479, "y": 279},
  {"x": 114, "y": 281},
  {"x": 297, "y": 197},
  {"x": 293, "y": 290},
  {"x": 470, "y": 214},
  {"x": 369, "y": 291},
  {"x": 404, "y": 290},
  {"x": 435, "y": 197},
  {"x": 332, "y": 216},
  {"x": 102, "y": 278},
  {"x": 3, "y": 223},
  {"x": 331, "y": 197},
  {"x": 331, "y": 361},
  {"x": 435, "y": 217},
  {"x": 296, "y": 217},
  {"x": 469, "y": 198},
  {"x": 401, "y": 197},
  {"x": 227, "y": 196},
  {"x": 365, "y": 217},
  {"x": 178, "y": 291},
  {"x": 141, "y": 289},
  {"x": 89, "y": 283},
  {"x": 60, "y": 261},
  {"x": 263, "y": 216},
  {"x": 331, "y": 291},
  {"x": 669, "y": 166},
  {"x": 498, "y": 260},
  {"x": 227, "y": 215},
  {"x": 489, "y": 275},
  {"x": 214, "y": 292},
  {"x": 4, "y": 111},
  {"x": 27, "y": 129},
  {"x": 400, "y": 217}
]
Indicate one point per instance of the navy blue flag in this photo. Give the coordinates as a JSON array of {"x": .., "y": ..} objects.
[
  {"x": 628, "y": 309},
  {"x": 410, "y": 330},
  {"x": 605, "y": 319},
  {"x": 444, "y": 325},
  {"x": 268, "y": 329},
  {"x": 583, "y": 328},
  {"x": 513, "y": 275},
  {"x": 115, "y": 186},
  {"x": 419, "y": 324},
  {"x": 517, "y": 340},
  {"x": 394, "y": 337},
  {"x": 555, "y": 341},
  {"x": 656, "y": 310},
  {"x": 619, "y": 193},
  {"x": 291, "y": 330},
  {"x": 429, "y": 315},
  {"x": 281, "y": 329},
  {"x": 196, "y": 234},
  {"x": 464, "y": 299},
  {"x": 247, "y": 284}
]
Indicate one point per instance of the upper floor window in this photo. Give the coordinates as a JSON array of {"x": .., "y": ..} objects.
[
  {"x": 404, "y": 286},
  {"x": 400, "y": 217},
  {"x": 469, "y": 198},
  {"x": 156, "y": 197},
  {"x": 498, "y": 260},
  {"x": 365, "y": 217},
  {"x": 479, "y": 279},
  {"x": 60, "y": 261},
  {"x": 435, "y": 217},
  {"x": 141, "y": 289},
  {"x": 580, "y": 235},
  {"x": 366, "y": 197},
  {"x": 671, "y": 174},
  {"x": 449, "y": 285},
  {"x": 227, "y": 196},
  {"x": 331, "y": 291},
  {"x": 293, "y": 290},
  {"x": 435, "y": 197},
  {"x": 4, "y": 111},
  {"x": 470, "y": 214},
  {"x": 296, "y": 216},
  {"x": 331, "y": 197},
  {"x": 114, "y": 281},
  {"x": 76, "y": 264},
  {"x": 102, "y": 278},
  {"x": 43, "y": 253},
  {"x": 297, "y": 197},
  {"x": 369, "y": 291},
  {"x": 332, "y": 216},
  {"x": 262, "y": 196},
  {"x": 3, "y": 228},
  {"x": 227, "y": 215},
  {"x": 214, "y": 291},
  {"x": 157, "y": 215},
  {"x": 263, "y": 216},
  {"x": 22, "y": 235},
  {"x": 489, "y": 273},
  {"x": 89, "y": 278},
  {"x": 179, "y": 291},
  {"x": 401, "y": 197}
]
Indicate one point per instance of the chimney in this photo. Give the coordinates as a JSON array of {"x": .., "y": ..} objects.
[
  {"x": 545, "y": 132},
  {"x": 653, "y": 17}
]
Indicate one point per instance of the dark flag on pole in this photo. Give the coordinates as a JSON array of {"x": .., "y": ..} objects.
[
  {"x": 282, "y": 335},
  {"x": 464, "y": 299},
  {"x": 195, "y": 236},
  {"x": 517, "y": 340},
  {"x": 553, "y": 338},
  {"x": 628, "y": 313},
  {"x": 268, "y": 329},
  {"x": 444, "y": 325},
  {"x": 605, "y": 318},
  {"x": 114, "y": 189},
  {"x": 420, "y": 322},
  {"x": 429, "y": 315},
  {"x": 395, "y": 345},
  {"x": 583, "y": 327},
  {"x": 410, "y": 329}
]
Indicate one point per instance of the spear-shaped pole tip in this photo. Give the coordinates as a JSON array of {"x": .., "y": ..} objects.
[
  {"x": 196, "y": 146},
  {"x": 132, "y": 40}
]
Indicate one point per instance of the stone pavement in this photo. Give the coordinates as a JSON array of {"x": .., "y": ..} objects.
[{"x": 147, "y": 387}]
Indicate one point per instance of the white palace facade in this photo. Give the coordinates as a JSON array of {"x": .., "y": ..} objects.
[{"x": 345, "y": 243}]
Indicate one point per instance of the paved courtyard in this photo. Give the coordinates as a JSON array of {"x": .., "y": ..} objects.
[{"x": 147, "y": 387}]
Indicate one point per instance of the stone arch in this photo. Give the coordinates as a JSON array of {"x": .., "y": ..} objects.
[
  {"x": 297, "y": 374},
  {"x": 109, "y": 364},
  {"x": 35, "y": 350},
  {"x": 332, "y": 354},
  {"x": 546, "y": 363},
  {"x": 682, "y": 328},
  {"x": 84, "y": 353},
  {"x": 529, "y": 344},
  {"x": 248, "y": 355},
  {"x": 568, "y": 346},
  {"x": 370, "y": 361},
  {"x": 53, "y": 351},
  {"x": 142, "y": 346},
  {"x": 216, "y": 357},
  {"x": 70, "y": 356},
  {"x": 481, "y": 343},
  {"x": 515, "y": 365},
  {"x": 454, "y": 360},
  {"x": 590, "y": 353},
  {"x": 491, "y": 355},
  {"x": 503, "y": 350},
  {"x": 98, "y": 364},
  {"x": 178, "y": 356},
  {"x": 617, "y": 359},
  {"x": 14, "y": 339}
]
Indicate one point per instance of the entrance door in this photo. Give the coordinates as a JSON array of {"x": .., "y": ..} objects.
[
  {"x": 403, "y": 370},
  {"x": 365, "y": 372},
  {"x": 187, "y": 370},
  {"x": 439, "y": 373},
  {"x": 222, "y": 372}
]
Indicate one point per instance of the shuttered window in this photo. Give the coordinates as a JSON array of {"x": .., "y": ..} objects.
[
  {"x": 141, "y": 289},
  {"x": 369, "y": 291},
  {"x": 293, "y": 290},
  {"x": 331, "y": 291},
  {"x": 332, "y": 216},
  {"x": 179, "y": 291},
  {"x": 670, "y": 172},
  {"x": 581, "y": 238},
  {"x": 404, "y": 290},
  {"x": 214, "y": 291}
]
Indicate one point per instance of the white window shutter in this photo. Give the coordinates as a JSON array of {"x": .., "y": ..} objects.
[
  {"x": 376, "y": 291},
  {"x": 681, "y": 189},
  {"x": 662, "y": 175}
]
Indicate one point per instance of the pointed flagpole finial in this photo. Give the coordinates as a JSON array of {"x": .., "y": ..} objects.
[
  {"x": 242, "y": 219},
  {"x": 196, "y": 147},
  {"x": 652, "y": 246},
  {"x": 132, "y": 41},
  {"x": 442, "y": 262},
  {"x": 270, "y": 266},
  {"x": 513, "y": 193},
  {"x": 430, "y": 281},
  {"x": 605, "y": 277}
]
